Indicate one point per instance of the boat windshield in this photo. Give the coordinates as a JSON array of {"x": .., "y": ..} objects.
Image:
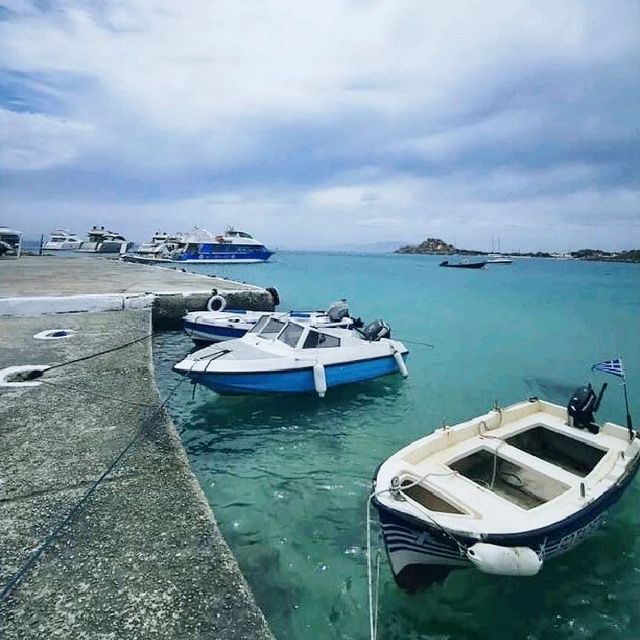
[
  {"x": 317, "y": 340},
  {"x": 268, "y": 327},
  {"x": 291, "y": 334},
  {"x": 259, "y": 326}
]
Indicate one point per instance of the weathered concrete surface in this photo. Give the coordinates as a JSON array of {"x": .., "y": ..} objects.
[
  {"x": 176, "y": 292},
  {"x": 144, "y": 557}
]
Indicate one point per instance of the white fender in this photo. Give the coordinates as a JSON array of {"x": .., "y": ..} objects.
[
  {"x": 219, "y": 300},
  {"x": 504, "y": 561},
  {"x": 319, "y": 379},
  {"x": 402, "y": 367}
]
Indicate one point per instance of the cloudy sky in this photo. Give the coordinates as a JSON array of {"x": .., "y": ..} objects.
[{"x": 325, "y": 122}]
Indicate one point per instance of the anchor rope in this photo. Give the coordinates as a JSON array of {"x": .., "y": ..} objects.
[
  {"x": 11, "y": 584},
  {"x": 375, "y": 587}
]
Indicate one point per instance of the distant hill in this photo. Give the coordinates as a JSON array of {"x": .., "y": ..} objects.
[
  {"x": 436, "y": 246},
  {"x": 607, "y": 256}
]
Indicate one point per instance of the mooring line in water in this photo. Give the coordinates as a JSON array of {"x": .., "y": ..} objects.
[
  {"x": 422, "y": 344},
  {"x": 373, "y": 606},
  {"x": 52, "y": 536}
]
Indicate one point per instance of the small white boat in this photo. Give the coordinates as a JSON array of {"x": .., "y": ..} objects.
[
  {"x": 229, "y": 324},
  {"x": 503, "y": 492},
  {"x": 279, "y": 356},
  {"x": 102, "y": 240},
  {"x": 62, "y": 240},
  {"x": 498, "y": 259}
]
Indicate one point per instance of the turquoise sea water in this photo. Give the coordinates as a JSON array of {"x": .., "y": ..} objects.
[{"x": 288, "y": 477}]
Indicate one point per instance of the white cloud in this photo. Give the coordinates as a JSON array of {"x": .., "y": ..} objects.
[
  {"x": 31, "y": 141},
  {"x": 327, "y": 116}
]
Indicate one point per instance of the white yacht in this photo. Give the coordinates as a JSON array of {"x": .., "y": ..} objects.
[
  {"x": 102, "y": 240},
  {"x": 10, "y": 242},
  {"x": 62, "y": 240}
]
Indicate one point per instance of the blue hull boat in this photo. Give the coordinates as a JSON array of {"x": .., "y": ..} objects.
[
  {"x": 228, "y": 324},
  {"x": 280, "y": 355},
  {"x": 297, "y": 380},
  {"x": 504, "y": 492}
]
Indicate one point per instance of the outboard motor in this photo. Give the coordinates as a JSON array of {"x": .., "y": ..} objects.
[
  {"x": 338, "y": 310},
  {"x": 583, "y": 404},
  {"x": 376, "y": 330}
]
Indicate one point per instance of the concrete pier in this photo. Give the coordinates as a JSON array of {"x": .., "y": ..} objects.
[
  {"x": 143, "y": 558},
  {"x": 43, "y": 284}
]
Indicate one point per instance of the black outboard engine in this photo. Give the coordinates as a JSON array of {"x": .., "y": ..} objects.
[
  {"x": 376, "y": 330},
  {"x": 338, "y": 310},
  {"x": 583, "y": 404}
]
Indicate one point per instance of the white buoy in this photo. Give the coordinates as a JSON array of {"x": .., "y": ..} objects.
[
  {"x": 319, "y": 379},
  {"x": 402, "y": 367},
  {"x": 504, "y": 561}
]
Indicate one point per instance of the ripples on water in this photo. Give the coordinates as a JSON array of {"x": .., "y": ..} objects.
[{"x": 288, "y": 476}]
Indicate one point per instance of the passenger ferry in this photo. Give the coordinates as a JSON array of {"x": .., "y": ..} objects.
[{"x": 234, "y": 246}]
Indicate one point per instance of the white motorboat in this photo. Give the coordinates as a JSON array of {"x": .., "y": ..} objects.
[
  {"x": 162, "y": 247},
  {"x": 10, "y": 242},
  {"x": 495, "y": 258},
  {"x": 503, "y": 492},
  {"x": 279, "y": 356},
  {"x": 229, "y": 324},
  {"x": 102, "y": 240},
  {"x": 62, "y": 240}
]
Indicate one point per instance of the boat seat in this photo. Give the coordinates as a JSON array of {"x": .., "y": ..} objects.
[{"x": 476, "y": 499}]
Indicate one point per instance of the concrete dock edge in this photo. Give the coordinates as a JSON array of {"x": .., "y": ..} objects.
[{"x": 144, "y": 557}]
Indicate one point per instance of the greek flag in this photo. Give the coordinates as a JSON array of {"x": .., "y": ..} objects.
[{"x": 614, "y": 367}]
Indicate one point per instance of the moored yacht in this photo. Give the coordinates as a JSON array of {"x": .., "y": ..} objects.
[
  {"x": 62, "y": 240},
  {"x": 160, "y": 246},
  {"x": 10, "y": 242},
  {"x": 102, "y": 240}
]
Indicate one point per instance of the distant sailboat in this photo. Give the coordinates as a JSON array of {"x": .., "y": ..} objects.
[{"x": 496, "y": 257}]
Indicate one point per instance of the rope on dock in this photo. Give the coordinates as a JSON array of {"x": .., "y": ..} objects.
[{"x": 53, "y": 535}]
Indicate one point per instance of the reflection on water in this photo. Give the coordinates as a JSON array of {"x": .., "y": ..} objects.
[{"x": 288, "y": 477}]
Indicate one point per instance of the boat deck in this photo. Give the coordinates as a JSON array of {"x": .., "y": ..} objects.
[{"x": 483, "y": 478}]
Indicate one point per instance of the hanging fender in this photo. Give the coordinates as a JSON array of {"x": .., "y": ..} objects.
[
  {"x": 319, "y": 379},
  {"x": 402, "y": 367},
  {"x": 504, "y": 561}
]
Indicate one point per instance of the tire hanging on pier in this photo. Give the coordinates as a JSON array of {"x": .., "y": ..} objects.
[{"x": 216, "y": 303}]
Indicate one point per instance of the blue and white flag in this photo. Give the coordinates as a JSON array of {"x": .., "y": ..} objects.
[{"x": 614, "y": 367}]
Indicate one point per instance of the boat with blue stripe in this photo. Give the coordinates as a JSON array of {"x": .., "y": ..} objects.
[
  {"x": 228, "y": 324},
  {"x": 503, "y": 493},
  {"x": 285, "y": 356},
  {"x": 233, "y": 247}
]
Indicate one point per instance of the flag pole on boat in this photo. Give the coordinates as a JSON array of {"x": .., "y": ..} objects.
[{"x": 616, "y": 368}]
